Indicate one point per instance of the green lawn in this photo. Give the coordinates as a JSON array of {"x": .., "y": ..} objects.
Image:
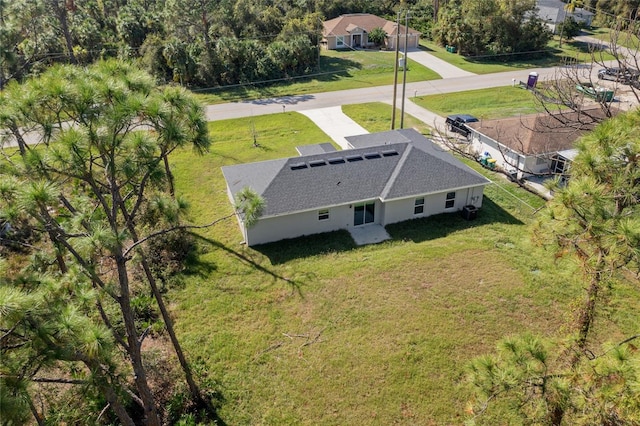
[
  {"x": 346, "y": 69},
  {"x": 340, "y": 70},
  {"x": 491, "y": 103},
  {"x": 571, "y": 51},
  {"x": 376, "y": 117},
  {"x": 623, "y": 38},
  {"x": 318, "y": 331}
]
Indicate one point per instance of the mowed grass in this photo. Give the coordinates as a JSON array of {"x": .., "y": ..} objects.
[
  {"x": 491, "y": 103},
  {"x": 376, "y": 117},
  {"x": 339, "y": 70},
  {"x": 571, "y": 51},
  {"x": 346, "y": 69},
  {"x": 622, "y": 38},
  {"x": 318, "y": 331}
]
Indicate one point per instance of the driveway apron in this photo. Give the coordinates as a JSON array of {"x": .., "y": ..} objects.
[
  {"x": 335, "y": 123},
  {"x": 445, "y": 69}
]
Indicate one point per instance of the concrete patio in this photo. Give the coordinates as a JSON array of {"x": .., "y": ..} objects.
[{"x": 369, "y": 234}]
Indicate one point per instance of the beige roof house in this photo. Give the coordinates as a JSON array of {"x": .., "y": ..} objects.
[
  {"x": 352, "y": 31},
  {"x": 533, "y": 144}
]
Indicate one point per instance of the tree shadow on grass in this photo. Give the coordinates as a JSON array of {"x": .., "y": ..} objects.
[
  {"x": 417, "y": 230},
  {"x": 293, "y": 283},
  {"x": 196, "y": 266},
  {"x": 441, "y": 225},
  {"x": 332, "y": 69},
  {"x": 311, "y": 245},
  {"x": 331, "y": 64},
  {"x": 549, "y": 57}
]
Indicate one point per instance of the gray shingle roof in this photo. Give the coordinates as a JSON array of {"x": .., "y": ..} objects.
[
  {"x": 385, "y": 171},
  {"x": 320, "y": 148}
]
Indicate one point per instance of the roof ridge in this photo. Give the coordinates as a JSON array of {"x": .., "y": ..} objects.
[
  {"x": 274, "y": 176},
  {"x": 396, "y": 171}
]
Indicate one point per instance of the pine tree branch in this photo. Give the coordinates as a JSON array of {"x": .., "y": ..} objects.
[
  {"x": 59, "y": 381},
  {"x": 624, "y": 342},
  {"x": 174, "y": 228}
]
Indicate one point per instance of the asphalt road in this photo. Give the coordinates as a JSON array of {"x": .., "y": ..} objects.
[
  {"x": 250, "y": 108},
  {"x": 373, "y": 94}
]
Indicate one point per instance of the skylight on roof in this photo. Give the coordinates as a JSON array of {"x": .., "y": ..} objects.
[
  {"x": 353, "y": 158},
  {"x": 317, "y": 163},
  {"x": 371, "y": 155},
  {"x": 298, "y": 166},
  {"x": 336, "y": 160},
  {"x": 389, "y": 153}
]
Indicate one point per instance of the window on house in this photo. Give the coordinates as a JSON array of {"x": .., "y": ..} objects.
[
  {"x": 323, "y": 214},
  {"x": 340, "y": 41},
  {"x": 451, "y": 200},
  {"x": 418, "y": 207}
]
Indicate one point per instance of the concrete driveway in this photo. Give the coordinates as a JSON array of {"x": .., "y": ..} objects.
[
  {"x": 445, "y": 69},
  {"x": 335, "y": 123}
]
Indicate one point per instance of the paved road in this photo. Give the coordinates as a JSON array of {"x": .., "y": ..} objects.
[{"x": 371, "y": 94}]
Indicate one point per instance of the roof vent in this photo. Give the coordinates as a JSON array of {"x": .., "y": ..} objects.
[
  {"x": 354, "y": 158},
  {"x": 298, "y": 166},
  {"x": 389, "y": 153},
  {"x": 371, "y": 155},
  {"x": 317, "y": 163},
  {"x": 336, "y": 160}
]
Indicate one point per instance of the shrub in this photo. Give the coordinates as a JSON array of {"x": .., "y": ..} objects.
[{"x": 377, "y": 36}]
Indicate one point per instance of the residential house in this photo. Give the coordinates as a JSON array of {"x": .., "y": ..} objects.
[
  {"x": 352, "y": 31},
  {"x": 533, "y": 144},
  {"x": 385, "y": 178},
  {"x": 553, "y": 13}
]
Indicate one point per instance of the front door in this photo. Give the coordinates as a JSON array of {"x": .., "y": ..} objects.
[
  {"x": 357, "y": 40},
  {"x": 364, "y": 213}
]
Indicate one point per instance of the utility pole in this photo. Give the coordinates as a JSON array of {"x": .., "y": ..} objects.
[
  {"x": 436, "y": 7},
  {"x": 404, "y": 68},
  {"x": 395, "y": 74},
  {"x": 320, "y": 28}
]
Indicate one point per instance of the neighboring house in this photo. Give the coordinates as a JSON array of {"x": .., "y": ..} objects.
[
  {"x": 352, "y": 31},
  {"x": 385, "y": 178},
  {"x": 553, "y": 13},
  {"x": 533, "y": 144}
]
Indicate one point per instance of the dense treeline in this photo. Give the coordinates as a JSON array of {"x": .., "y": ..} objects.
[
  {"x": 496, "y": 27},
  {"x": 612, "y": 12},
  {"x": 195, "y": 42},
  {"x": 212, "y": 43}
]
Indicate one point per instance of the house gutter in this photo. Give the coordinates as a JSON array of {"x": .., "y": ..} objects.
[
  {"x": 385, "y": 200},
  {"x": 322, "y": 207},
  {"x": 380, "y": 198}
]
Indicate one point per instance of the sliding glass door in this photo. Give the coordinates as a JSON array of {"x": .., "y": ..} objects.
[{"x": 364, "y": 213}]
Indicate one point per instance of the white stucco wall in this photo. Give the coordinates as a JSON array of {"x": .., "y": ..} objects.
[
  {"x": 400, "y": 210},
  {"x": 506, "y": 159},
  {"x": 341, "y": 217},
  {"x": 296, "y": 225},
  {"x": 532, "y": 165}
]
